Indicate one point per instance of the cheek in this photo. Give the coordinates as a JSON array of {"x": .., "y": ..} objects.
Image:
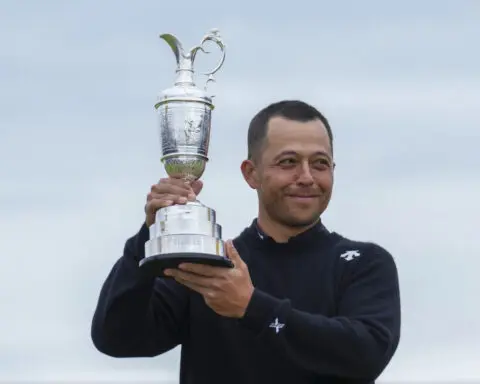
[
  {"x": 324, "y": 180},
  {"x": 275, "y": 183}
]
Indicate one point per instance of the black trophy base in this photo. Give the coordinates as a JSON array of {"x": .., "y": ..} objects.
[{"x": 156, "y": 265}]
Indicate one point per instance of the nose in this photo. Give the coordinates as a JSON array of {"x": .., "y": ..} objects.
[{"x": 304, "y": 175}]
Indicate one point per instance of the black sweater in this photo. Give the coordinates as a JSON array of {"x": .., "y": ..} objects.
[{"x": 338, "y": 314}]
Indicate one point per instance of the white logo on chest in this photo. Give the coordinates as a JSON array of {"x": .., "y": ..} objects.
[
  {"x": 276, "y": 325},
  {"x": 350, "y": 255}
]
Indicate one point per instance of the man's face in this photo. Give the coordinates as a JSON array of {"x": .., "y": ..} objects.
[{"x": 294, "y": 173}]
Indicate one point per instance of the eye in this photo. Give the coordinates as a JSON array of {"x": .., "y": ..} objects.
[
  {"x": 288, "y": 162},
  {"x": 321, "y": 164}
]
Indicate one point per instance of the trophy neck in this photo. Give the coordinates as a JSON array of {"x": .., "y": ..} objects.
[{"x": 185, "y": 72}]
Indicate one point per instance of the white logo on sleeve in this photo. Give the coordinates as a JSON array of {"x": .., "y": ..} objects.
[
  {"x": 350, "y": 255},
  {"x": 278, "y": 326}
]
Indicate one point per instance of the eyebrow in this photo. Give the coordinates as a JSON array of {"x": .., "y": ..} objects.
[{"x": 293, "y": 153}]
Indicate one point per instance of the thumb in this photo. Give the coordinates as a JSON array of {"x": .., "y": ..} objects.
[
  {"x": 233, "y": 254},
  {"x": 197, "y": 186}
]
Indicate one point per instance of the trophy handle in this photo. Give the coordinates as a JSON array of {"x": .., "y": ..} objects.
[{"x": 214, "y": 35}]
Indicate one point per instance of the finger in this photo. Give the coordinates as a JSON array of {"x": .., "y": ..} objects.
[
  {"x": 202, "y": 270},
  {"x": 174, "y": 181},
  {"x": 154, "y": 205},
  {"x": 172, "y": 189},
  {"x": 177, "y": 199},
  {"x": 232, "y": 253},
  {"x": 198, "y": 280},
  {"x": 197, "y": 186},
  {"x": 194, "y": 287},
  {"x": 164, "y": 196}
]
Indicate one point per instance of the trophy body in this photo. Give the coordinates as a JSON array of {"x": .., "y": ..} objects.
[{"x": 189, "y": 232}]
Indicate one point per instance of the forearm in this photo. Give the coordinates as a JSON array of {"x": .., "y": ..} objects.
[
  {"x": 130, "y": 319},
  {"x": 337, "y": 346},
  {"x": 122, "y": 320}
]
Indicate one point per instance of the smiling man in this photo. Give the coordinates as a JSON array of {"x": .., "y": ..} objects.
[
  {"x": 291, "y": 166},
  {"x": 302, "y": 304}
]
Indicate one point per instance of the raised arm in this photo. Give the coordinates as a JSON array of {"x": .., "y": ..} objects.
[{"x": 138, "y": 316}]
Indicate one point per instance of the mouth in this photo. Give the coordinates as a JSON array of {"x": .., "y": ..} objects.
[{"x": 303, "y": 197}]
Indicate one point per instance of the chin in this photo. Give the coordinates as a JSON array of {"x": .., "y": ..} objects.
[
  {"x": 294, "y": 216},
  {"x": 297, "y": 221}
]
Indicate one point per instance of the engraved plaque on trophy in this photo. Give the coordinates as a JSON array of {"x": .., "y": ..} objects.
[{"x": 185, "y": 233}]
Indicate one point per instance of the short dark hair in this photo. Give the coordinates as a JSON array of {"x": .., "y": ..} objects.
[{"x": 289, "y": 109}]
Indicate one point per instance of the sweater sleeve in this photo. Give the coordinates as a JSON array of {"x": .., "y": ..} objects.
[
  {"x": 138, "y": 316},
  {"x": 358, "y": 343}
]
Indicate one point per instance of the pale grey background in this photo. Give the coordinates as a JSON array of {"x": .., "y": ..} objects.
[{"x": 399, "y": 82}]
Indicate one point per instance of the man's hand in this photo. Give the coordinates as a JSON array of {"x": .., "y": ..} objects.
[
  {"x": 169, "y": 192},
  {"x": 226, "y": 290}
]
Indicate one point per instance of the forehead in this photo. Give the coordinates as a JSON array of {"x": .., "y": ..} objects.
[{"x": 304, "y": 138}]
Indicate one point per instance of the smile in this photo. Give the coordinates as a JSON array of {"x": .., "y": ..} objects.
[{"x": 303, "y": 197}]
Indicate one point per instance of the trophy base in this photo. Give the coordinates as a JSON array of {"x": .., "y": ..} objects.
[
  {"x": 155, "y": 265},
  {"x": 185, "y": 233}
]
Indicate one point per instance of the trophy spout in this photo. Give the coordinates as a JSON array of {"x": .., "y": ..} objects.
[
  {"x": 175, "y": 45},
  {"x": 185, "y": 60}
]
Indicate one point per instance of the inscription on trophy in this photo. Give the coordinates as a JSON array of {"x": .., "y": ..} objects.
[
  {"x": 186, "y": 242},
  {"x": 192, "y": 131}
]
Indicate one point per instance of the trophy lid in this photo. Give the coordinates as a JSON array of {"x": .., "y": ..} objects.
[{"x": 184, "y": 88}]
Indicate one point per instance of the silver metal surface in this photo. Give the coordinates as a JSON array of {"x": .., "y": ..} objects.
[
  {"x": 185, "y": 112},
  {"x": 185, "y": 116},
  {"x": 185, "y": 243},
  {"x": 193, "y": 217},
  {"x": 185, "y": 228}
]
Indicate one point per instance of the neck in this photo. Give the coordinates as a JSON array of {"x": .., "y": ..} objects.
[{"x": 278, "y": 232}]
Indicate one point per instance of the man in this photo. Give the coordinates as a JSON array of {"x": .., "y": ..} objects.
[{"x": 302, "y": 305}]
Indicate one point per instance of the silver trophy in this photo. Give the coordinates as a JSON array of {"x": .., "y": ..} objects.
[{"x": 185, "y": 233}]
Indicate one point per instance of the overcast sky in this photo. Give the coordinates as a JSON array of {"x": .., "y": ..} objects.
[{"x": 79, "y": 150}]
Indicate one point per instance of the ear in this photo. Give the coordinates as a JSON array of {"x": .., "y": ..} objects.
[{"x": 249, "y": 172}]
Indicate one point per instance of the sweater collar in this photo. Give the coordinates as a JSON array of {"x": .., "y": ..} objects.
[{"x": 311, "y": 237}]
